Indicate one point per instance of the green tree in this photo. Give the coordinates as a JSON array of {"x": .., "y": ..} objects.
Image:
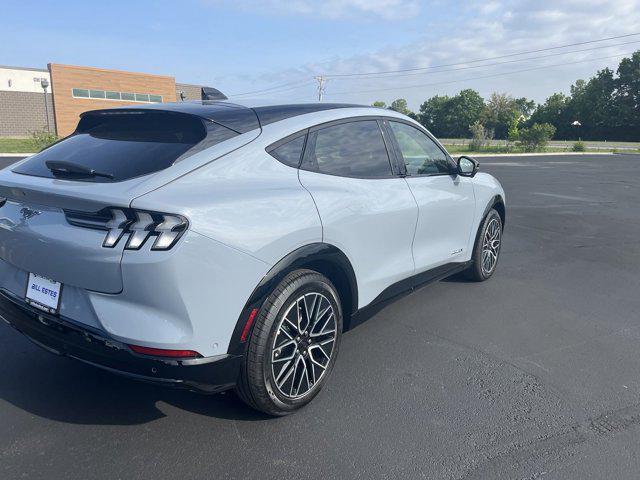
[
  {"x": 607, "y": 106},
  {"x": 525, "y": 106},
  {"x": 627, "y": 98},
  {"x": 452, "y": 116},
  {"x": 592, "y": 104},
  {"x": 554, "y": 111},
  {"x": 499, "y": 113},
  {"x": 379, "y": 104},
  {"x": 400, "y": 106},
  {"x": 465, "y": 110},
  {"x": 433, "y": 115}
]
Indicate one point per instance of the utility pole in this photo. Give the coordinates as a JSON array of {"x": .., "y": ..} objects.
[{"x": 321, "y": 86}]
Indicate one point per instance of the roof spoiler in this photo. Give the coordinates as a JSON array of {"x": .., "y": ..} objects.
[
  {"x": 210, "y": 93},
  {"x": 234, "y": 117}
]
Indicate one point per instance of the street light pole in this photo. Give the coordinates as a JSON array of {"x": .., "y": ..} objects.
[
  {"x": 577, "y": 124},
  {"x": 44, "y": 83}
]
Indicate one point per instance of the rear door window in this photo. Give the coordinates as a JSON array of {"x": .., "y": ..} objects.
[
  {"x": 124, "y": 145},
  {"x": 353, "y": 149}
]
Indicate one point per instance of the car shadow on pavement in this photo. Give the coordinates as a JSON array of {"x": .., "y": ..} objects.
[
  {"x": 457, "y": 278},
  {"x": 65, "y": 390}
]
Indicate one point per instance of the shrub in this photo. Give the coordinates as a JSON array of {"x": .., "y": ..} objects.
[
  {"x": 513, "y": 134},
  {"x": 579, "y": 147},
  {"x": 480, "y": 136},
  {"x": 536, "y": 137},
  {"x": 41, "y": 139}
]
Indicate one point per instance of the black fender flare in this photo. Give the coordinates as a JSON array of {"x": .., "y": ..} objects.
[
  {"x": 322, "y": 257},
  {"x": 496, "y": 200}
]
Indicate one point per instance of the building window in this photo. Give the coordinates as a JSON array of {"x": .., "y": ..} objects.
[
  {"x": 112, "y": 95},
  {"x": 80, "y": 93}
]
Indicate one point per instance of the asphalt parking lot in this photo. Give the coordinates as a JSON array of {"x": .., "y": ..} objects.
[{"x": 535, "y": 373}]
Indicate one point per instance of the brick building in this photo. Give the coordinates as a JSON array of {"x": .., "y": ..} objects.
[{"x": 63, "y": 92}]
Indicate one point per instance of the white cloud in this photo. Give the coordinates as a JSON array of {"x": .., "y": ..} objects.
[
  {"x": 495, "y": 28},
  {"x": 490, "y": 7},
  {"x": 333, "y": 9}
]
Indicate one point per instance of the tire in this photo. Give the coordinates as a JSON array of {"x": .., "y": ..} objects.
[
  {"x": 289, "y": 358},
  {"x": 489, "y": 240}
]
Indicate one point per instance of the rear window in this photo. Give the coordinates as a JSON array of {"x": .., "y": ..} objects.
[
  {"x": 120, "y": 145},
  {"x": 354, "y": 149}
]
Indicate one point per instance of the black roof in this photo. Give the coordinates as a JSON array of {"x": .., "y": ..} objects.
[
  {"x": 275, "y": 113},
  {"x": 239, "y": 118},
  {"x": 235, "y": 117}
]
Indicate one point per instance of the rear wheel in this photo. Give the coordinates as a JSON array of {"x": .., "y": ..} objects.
[
  {"x": 487, "y": 248},
  {"x": 293, "y": 346}
]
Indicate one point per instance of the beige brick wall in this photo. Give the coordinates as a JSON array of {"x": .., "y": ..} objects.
[
  {"x": 23, "y": 112},
  {"x": 66, "y": 77},
  {"x": 191, "y": 92}
]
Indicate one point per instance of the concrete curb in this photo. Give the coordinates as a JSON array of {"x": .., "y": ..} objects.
[
  {"x": 550, "y": 154},
  {"x": 16, "y": 154}
]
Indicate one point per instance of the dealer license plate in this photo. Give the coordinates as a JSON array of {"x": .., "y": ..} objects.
[{"x": 43, "y": 293}]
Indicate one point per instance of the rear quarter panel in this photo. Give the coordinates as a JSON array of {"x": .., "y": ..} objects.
[{"x": 246, "y": 200}]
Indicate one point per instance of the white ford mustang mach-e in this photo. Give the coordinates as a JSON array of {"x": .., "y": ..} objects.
[{"x": 212, "y": 245}]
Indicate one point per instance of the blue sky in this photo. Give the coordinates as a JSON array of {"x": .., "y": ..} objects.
[{"x": 247, "y": 45}]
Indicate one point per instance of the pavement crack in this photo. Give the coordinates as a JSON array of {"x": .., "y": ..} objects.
[{"x": 522, "y": 458}]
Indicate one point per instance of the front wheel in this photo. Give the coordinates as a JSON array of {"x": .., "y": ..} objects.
[
  {"x": 293, "y": 346},
  {"x": 487, "y": 248}
]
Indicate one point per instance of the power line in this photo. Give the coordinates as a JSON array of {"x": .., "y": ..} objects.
[
  {"x": 336, "y": 75},
  {"x": 542, "y": 67},
  {"x": 538, "y": 57},
  {"x": 303, "y": 82},
  {"x": 280, "y": 90},
  {"x": 306, "y": 80}
]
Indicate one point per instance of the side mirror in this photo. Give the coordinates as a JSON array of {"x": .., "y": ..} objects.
[{"x": 467, "y": 166}]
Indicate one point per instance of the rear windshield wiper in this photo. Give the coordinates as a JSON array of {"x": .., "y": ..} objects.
[{"x": 59, "y": 167}]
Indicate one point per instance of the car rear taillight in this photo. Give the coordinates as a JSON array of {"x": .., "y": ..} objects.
[
  {"x": 115, "y": 228},
  {"x": 136, "y": 225}
]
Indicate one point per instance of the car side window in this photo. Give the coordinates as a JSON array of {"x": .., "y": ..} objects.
[
  {"x": 354, "y": 149},
  {"x": 290, "y": 152},
  {"x": 421, "y": 155}
]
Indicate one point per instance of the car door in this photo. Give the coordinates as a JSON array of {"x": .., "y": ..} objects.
[
  {"x": 446, "y": 201},
  {"x": 366, "y": 209}
]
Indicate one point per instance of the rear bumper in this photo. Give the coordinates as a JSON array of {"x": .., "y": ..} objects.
[{"x": 63, "y": 337}]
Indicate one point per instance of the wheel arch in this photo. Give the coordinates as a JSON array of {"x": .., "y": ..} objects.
[
  {"x": 498, "y": 204},
  {"x": 323, "y": 258}
]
